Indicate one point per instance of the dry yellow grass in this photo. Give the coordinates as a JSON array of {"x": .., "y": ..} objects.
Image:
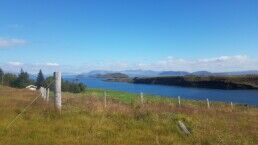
[{"x": 85, "y": 120}]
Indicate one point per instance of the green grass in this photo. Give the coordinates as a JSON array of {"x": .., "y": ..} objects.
[
  {"x": 129, "y": 98},
  {"x": 84, "y": 120}
]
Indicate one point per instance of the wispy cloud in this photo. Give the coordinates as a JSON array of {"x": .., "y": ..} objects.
[
  {"x": 215, "y": 64},
  {"x": 222, "y": 63},
  {"x": 10, "y": 42},
  {"x": 52, "y": 64},
  {"x": 15, "y": 66},
  {"x": 15, "y": 63}
]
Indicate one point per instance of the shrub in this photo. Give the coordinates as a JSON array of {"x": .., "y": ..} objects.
[
  {"x": 66, "y": 86},
  {"x": 23, "y": 80},
  {"x": 40, "y": 80},
  {"x": 9, "y": 79}
]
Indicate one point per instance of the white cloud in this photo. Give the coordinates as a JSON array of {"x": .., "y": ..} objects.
[
  {"x": 5, "y": 42},
  {"x": 52, "y": 64},
  {"x": 222, "y": 63},
  {"x": 216, "y": 64},
  {"x": 226, "y": 58},
  {"x": 15, "y": 66},
  {"x": 15, "y": 63}
]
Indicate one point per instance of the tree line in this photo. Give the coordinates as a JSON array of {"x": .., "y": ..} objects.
[{"x": 23, "y": 80}]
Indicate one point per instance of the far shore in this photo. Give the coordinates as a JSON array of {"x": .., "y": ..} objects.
[{"x": 245, "y": 82}]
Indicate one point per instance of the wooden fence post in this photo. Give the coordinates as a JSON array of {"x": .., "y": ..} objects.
[
  {"x": 142, "y": 101},
  {"x": 41, "y": 92},
  {"x": 105, "y": 99},
  {"x": 208, "y": 103},
  {"x": 131, "y": 99},
  {"x": 231, "y": 104},
  {"x": 44, "y": 94},
  {"x": 179, "y": 102},
  {"x": 57, "y": 91},
  {"x": 47, "y": 95},
  {"x": 183, "y": 127},
  {"x": 2, "y": 79}
]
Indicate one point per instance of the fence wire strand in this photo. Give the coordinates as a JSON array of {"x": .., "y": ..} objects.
[{"x": 17, "y": 116}]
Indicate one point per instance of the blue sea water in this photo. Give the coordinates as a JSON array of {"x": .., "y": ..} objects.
[{"x": 249, "y": 97}]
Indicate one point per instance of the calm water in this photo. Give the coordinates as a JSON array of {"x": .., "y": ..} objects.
[{"x": 236, "y": 96}]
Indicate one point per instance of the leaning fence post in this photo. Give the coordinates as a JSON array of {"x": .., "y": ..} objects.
[
  {"x": 47, "y": 95},
  {"x": 208, "y": 103},
  {"x": 57, "y": 91},
  {"x": 179, "y": 102},
  {"x": 142, "y": 101},
  {"x": 2, "y": 80},
  {"x": 105, "y": 98},
  {"x": 44, "y": 94},
  {"x": 41, "y": 92},
  {"x": 183, "y": 127}
]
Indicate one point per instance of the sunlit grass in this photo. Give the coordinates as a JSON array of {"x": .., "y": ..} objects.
[{"x": 85, "y": 120}]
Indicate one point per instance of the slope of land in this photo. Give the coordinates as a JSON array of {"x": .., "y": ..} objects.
[
  {"x": 114, "y": 77},
  {"x": 85, "y": 120},
  {"x": 151, "y": 73},
  {"x": 228, "y": 82}
]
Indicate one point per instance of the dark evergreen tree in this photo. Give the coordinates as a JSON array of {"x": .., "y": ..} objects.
[
  {"x": 1, "y": 76},
  {"x": 49, "y": 82},
  {"x": 10, "y": 79},
  {"x": 40, "y": 79},
  {"x": 23, "y": 80}
]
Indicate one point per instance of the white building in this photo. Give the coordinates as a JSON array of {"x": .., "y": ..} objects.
[{"x": 32, "y": 87}]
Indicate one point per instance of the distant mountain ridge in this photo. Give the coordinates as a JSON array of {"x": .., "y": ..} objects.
[
  {"x": 151, "y": 73},
  {"x": 250, "y": 72},
  {"x": 216, "y": 82},
  {"x": 100, "y": 72},
  {"x": 174, "y": 73},
  {"x": 131, "y": 73},
  {"x": 202, "y": 73},
  {"x": 139, "y": 73},
  {"x": 115, "y": 77}
]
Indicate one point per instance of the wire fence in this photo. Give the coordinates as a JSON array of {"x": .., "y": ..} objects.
[
  {"x": 45, "y": 91},
  {"x": 43, "y": 94}
]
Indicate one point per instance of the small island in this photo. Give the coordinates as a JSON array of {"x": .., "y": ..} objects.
[{"x": 114, "y": 77}]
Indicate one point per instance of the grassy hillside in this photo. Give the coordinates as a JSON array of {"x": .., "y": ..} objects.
[
  {"x": 215, "y": 82},
  {"x": 84, "y": 120}
]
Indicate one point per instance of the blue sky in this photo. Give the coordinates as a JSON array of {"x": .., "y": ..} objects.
[{"x": 84, "y": 35}]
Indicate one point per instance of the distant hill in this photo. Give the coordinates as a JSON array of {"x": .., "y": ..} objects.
[
  {"x": 115, "y": 77},
  {"x": 151, "y": 73},
  {"x": 202, "y": 73},
  {"x": 96, "y": 72},
  {"x": 112, "y": 75},
  {"x": 213, "y": 82},
  {"x": 207, "y": 73},
  {"x": 131, "y": 73},
  {"x": 174, "y": 73},
  {"x": 185, "y": 73},
  {"x": 250, "y": 72},
  {"x": 140, "y": 73}
]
